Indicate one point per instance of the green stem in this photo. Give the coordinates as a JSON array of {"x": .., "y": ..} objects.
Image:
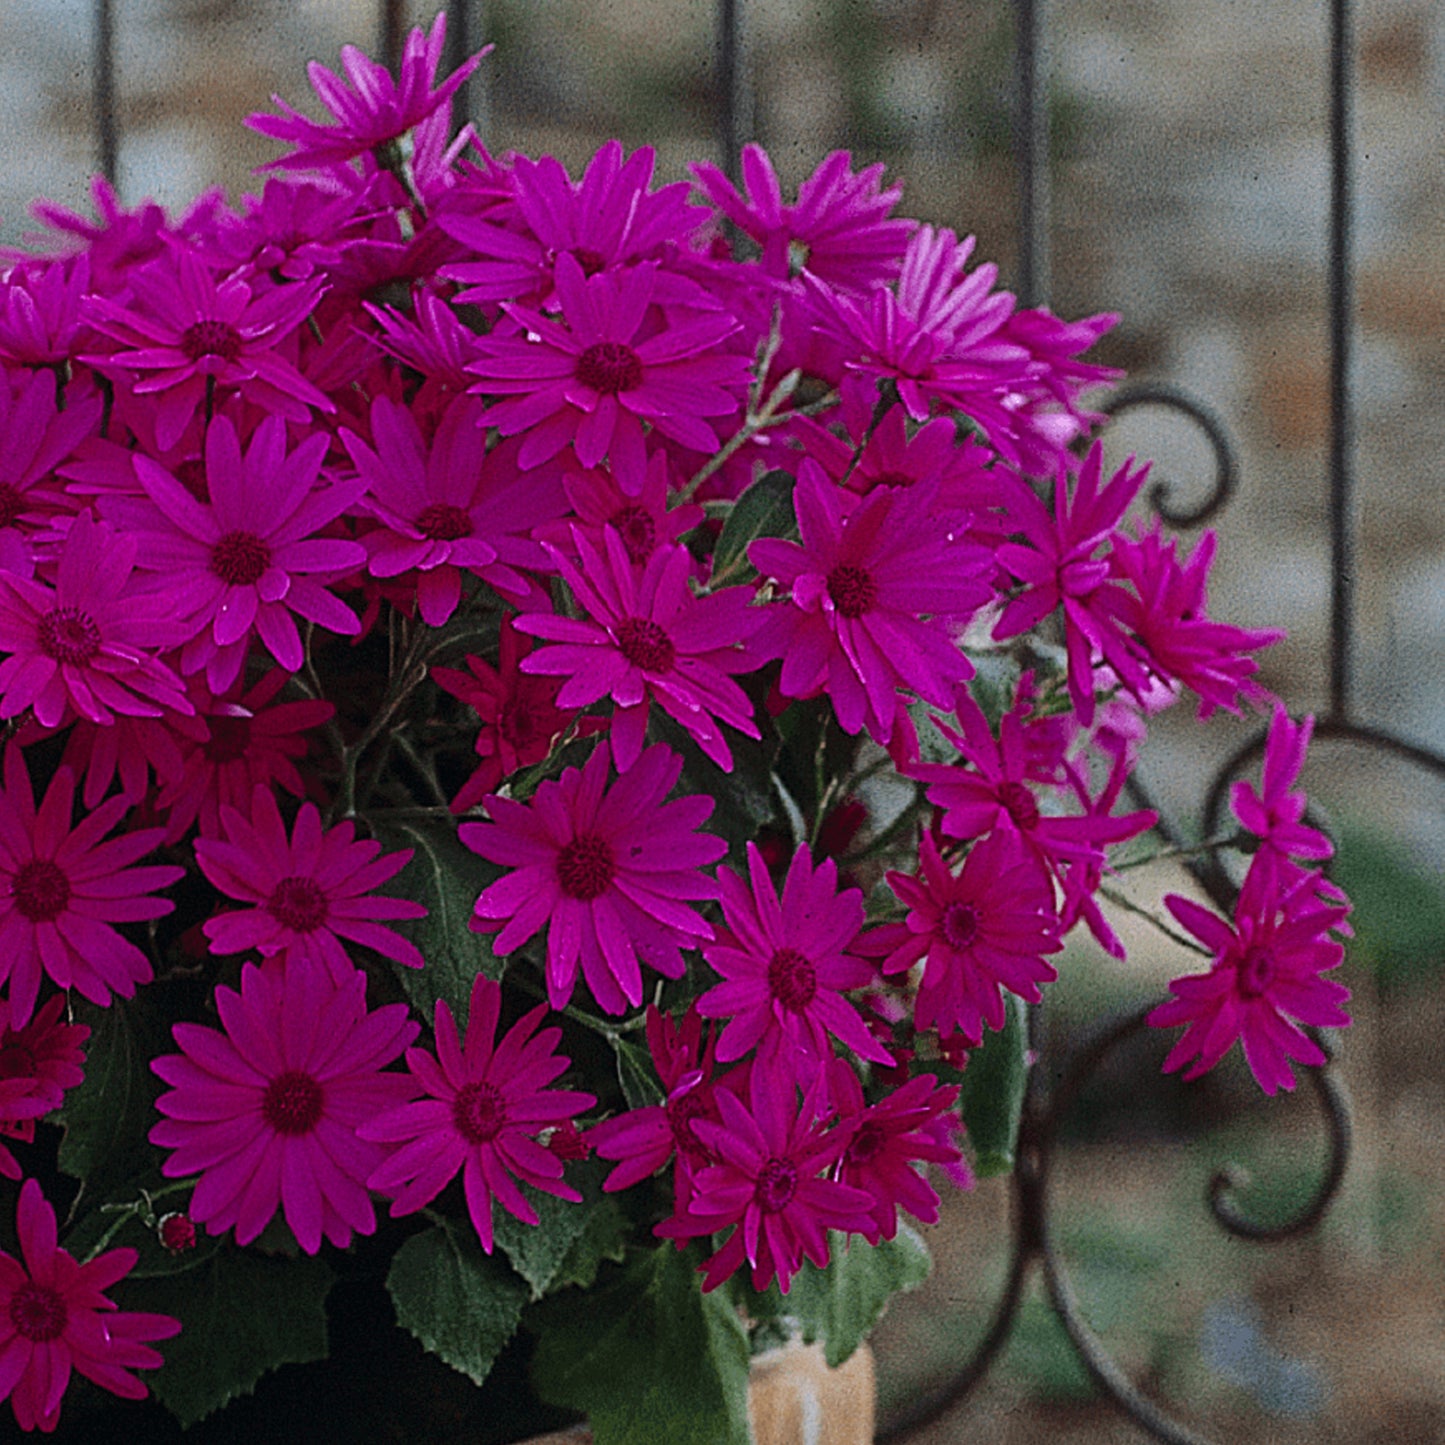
[
  {"x": 1186, "y": 850},
  {"x": 1121, "y": 900}
]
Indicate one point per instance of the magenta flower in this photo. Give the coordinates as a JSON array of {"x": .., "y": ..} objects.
[
  {"x": 86, "y": 643},
  {"x": 248, "y": 559},
  {"x": 55, "y": 1317},
  {"x": 595, "y": 380},
  {"x": 839, "y": 228},
  {"x": 978, "y": 932},
  {"x": 1265, "y": 979},
  {"x": 188, "y": 336},
  {"x": 876, "y": 593},
  {"x": 773, "y": 1185},
  {"x": 608, "y": 870},
  {"x": 39, "y": 1061},
  {"x": 39, "y": 436},
  {"x": 266, "y": 1112},
  {"x": 483, "y": 1104},
  {"x": 648, "y": 636},
  {"x": 61, "y": 889},
  {"x": 1275, "y": 812},
  {"x": 372, "y": 109},
  {"x": 309, "y": 891},
  {"x": 785, "y": 964}
]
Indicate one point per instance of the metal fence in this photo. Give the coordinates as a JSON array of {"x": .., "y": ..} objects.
[{"x": 1056, "y": 1082}]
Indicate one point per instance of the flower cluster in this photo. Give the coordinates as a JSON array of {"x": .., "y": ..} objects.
[{"x": 427, "y": 484}]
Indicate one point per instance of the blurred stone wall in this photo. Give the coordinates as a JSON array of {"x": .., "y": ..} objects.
[{"x": 1191, "y": 166}]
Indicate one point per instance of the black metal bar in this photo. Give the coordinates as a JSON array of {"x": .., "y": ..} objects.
[
  {"x": 734, "y": 98},
  {"x": 1031, "y": 146},
  {"x": 465, "y": 23},
  {"x": 107, "y": 129},
  {"x": 390, "y": 22},
  {"x": 1342, "y": 519}
]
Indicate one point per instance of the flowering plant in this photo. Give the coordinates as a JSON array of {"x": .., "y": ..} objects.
[{"x": 546, "y": 708}]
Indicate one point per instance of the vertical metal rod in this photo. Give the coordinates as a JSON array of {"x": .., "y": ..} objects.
[
  {"x": 390, "y": 23},
  {"x": 1031, "y": 146},
  {"x": 107, "y": 131},
  {"x": 1342, "y": 517},
  {"x": 734, "y": 87},
  {"x": 465, "y": 23}
]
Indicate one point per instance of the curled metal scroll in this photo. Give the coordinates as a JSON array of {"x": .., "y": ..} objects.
[{"x": 1226, "y": 467}]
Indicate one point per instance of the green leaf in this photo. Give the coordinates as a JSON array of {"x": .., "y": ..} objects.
[
  {"x": 765, "y": 509},
  {"x": 537, "y": 1251},
  {"x": 646, "y": 1356},
  {"x": 445, "y": 877},
  {"x": 993, "y": 1092},
  {"x": 241, "y": 1315},
  {"x": 636, "y": 1074},
  {"x": 841, "y": 1304},
  {"x": 604, "y": 1238},
  {"x": 461, "y": 1304}
]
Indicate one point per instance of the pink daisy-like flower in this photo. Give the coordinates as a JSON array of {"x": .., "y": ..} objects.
[
  {"x": 86, "y": 643},
  {"x": 308, "y": 891},
  {"x": 980, "y": 931},
  {"x": 39, "y": 435},
  {"x": 596, "y": 379},
  {"x": 484, "y": 1103},
  {"x": 648, "y": 636},
  {"x": 876, "y": 590},
  {"x": 1265, "y": 979},
  {"x": 519, "y": 715},
  {"x": 772, "y": 1186},
  {"x": 609, "y": 870},
  {"x": 250, "y": 558},
  {"x": 785, "y": 964},
  {"x": 1274, "y": 812},
  {"x": 39, "y": 1061},
  {"x": 374, "y": 108},
  {"x": 61, "y": 889},
  {"x": 55, "y": 1317},
  {"x": 267, "y": 1111}
]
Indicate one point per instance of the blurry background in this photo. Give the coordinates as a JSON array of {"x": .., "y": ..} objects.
[{"x": 1190, "y": 188}]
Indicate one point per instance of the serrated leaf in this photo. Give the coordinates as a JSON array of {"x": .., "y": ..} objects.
[
  {"x": 636, "y": 1075},
  {"x": 992, "y": 1100},
  {"x": 646, "y": 1356},
  {"x": 765, "y": 509},
  {"x": 537, "y": 1251},
  {"x": 462, "y": 1304},
  {"x": 241, "y": 1315},
  {"x": 444, "y": 877},
  {"x": 841, "y": 1304},
  {"x": 603, "y": 1240}
]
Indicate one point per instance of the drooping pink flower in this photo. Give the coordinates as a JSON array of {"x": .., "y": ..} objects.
[
  {"x": 1265, "y": 979},
  {"x": 773, "y": 1185},
  {"x": 979, "y": 931},
  {"x": 39, "y": 1061},
  {"x": 40, "y": 310},
  {"x": 61, "y": 889},
  {"x": 373, "y": 108},
  {"x": 266, "y": 1112},
  {"x": 785, "y": 964},
  {"x": 610, "y": 871},
  {"x": 483, "y": 1104},
  {"x": 307, "y": 892},
  {"x": 596, "y": 379},
  {"x": 648, "y": 637},
  {"x": 645, "y": 519},
  {"x": 39, "y": 435},
  {"x": 87, "y": 643},
  {"x": 1274, "y": 812},
  {"x": 55, "y": 1317},
  {"x": 876, "y": 590}
]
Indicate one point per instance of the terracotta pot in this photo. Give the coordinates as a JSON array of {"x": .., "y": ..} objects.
[{"x": 793, "y": 1399}]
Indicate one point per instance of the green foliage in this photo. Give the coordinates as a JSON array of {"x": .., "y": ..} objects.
[
  {"x": 764, "y": 510},
  {"x": 562, "y": 1241},
  {"x": 646, "y": 1355},
  {"x": 461, "y": 1304},
  {"x": 993, "y": 1092},
  {"x": 636, "y": 1074},
  {"x": 242, "y": 1315},
  {"x": 1399, "y": 916}
]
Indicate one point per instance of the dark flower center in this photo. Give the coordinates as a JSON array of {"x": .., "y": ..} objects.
[
  {"x": 442, "y": 522},
  {"x": 211, "y": 338},
  {"x": 17, "y": 1061},
  {"x": 776, "y": 1185},
  {"x": 891, "y": 479},
  {"x": 516, "y": 723},
  {"x": 609, "y": 367},
  {"x": 639, "y": 535},
  {"x": 1255, "y": 972},
  {"x": 11, "y": 504},
  {"x": 680, "y": 1114},
  {"x": 585, "y": 867},
  {"x": 591, "y": 262},
  {"x": 292, "y": 1103},
  {"x": 191, "y": 474},
  {"x": 866, "y": 1145},
  {"x": 41, "y": 890},
  {"x": 298, "y": 903},
  {"x": 644, "y": 644},
  {"x": 38, "y": 1313},
  {"x": 1020, "y": 805},
  {"x": 960, "y": 924},
  {"x": 240, "y": 558},
  {"x": 852, "y": 589},
  {"x": 68, "y": 635},
  {"x": 479, "y": 1112},
  {"x": 792, "y": 979},
  {"x": 229, "y": 738}
]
